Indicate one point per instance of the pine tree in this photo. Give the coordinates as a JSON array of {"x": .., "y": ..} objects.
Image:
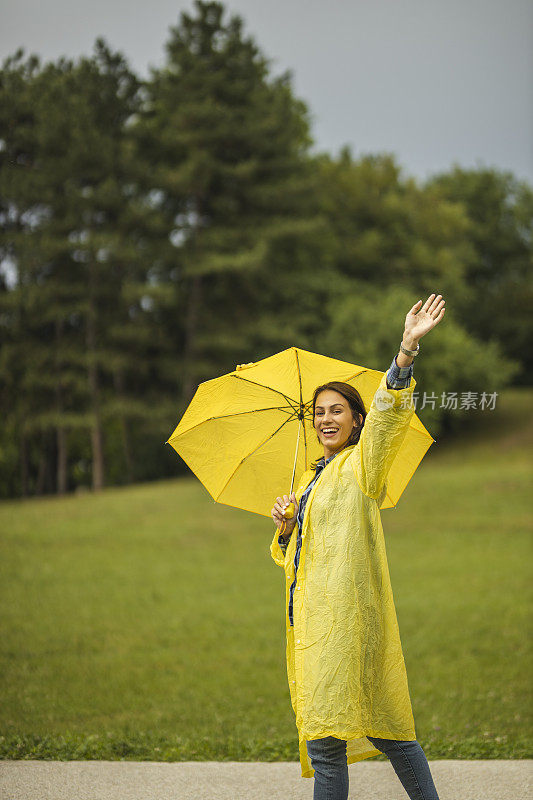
[
  {"x": 228, "y": 148},
  {"x": 65, "y": 171}
]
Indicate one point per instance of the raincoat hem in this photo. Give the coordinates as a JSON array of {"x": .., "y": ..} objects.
[
  {"x": 354, "y": 758},
  {"x": 360, "y": 735}
]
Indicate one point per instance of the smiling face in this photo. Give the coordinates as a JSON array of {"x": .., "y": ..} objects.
[{"x": 333, "y": 421}]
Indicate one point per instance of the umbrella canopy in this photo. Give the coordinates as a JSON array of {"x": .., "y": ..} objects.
[{"x": 246, "y": 434}]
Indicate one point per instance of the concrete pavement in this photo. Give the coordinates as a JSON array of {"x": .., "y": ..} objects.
[{"x": 229, "y": 780}]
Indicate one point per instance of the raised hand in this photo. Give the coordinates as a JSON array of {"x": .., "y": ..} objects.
[{"x": 421, "y": 319}]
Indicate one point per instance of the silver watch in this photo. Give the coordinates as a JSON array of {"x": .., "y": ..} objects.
[{"x": 411, "y": 353}]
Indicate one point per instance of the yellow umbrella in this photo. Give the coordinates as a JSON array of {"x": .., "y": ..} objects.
[{"x": 246, "y": 434}]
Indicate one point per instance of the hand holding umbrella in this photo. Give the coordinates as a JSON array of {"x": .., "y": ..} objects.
[{"x": 284, "y": 513}]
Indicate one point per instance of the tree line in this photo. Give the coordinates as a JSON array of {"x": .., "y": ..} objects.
[{"x": 156, "y": 232}]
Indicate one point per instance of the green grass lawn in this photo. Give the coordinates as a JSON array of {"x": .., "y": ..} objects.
[{"x": 147, "y": 622}]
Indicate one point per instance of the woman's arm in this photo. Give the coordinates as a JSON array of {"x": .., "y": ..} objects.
[
  {"x": 278, "y": 548},
  {"x": 390, "y": 413},
  {"x": 410, "y": 343},
  {"x": 399, "y": 377},
  {"x": 385, "y": 428}
]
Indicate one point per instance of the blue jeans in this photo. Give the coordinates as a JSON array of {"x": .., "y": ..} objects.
[{"x": 328, "y": 758}]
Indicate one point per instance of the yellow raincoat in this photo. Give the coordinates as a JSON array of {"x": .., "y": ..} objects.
[{"x": 345, "y": 663}]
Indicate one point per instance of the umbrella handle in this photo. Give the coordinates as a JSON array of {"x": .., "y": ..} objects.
[{"x": 284, "y": 525}]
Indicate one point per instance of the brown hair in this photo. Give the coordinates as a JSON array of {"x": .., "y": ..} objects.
[{"x": 355, "y": 401}]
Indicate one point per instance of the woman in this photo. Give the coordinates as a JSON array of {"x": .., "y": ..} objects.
[{"x": 345, "y": 664}]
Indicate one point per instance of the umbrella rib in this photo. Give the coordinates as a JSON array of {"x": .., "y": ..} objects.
[
  {"x": 356, "y": 374},
  {"x": 302, "y": 406},
  {"x": 289, "y": 400},
  {"x": 290, "y": 409},
  {"x": 264, "y": 386},
  {"x": 350, "y": 378},
  {"x": 299, "y": 377},
  {"x": 251, "y": 454}
]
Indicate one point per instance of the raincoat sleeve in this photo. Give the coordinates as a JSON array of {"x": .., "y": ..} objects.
[
  {"x": 276, "y": 550},
  {"x": 385, "y": 428}
]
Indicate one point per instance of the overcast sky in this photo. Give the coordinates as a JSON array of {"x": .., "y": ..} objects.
[{"x": 435, "y": 82}]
